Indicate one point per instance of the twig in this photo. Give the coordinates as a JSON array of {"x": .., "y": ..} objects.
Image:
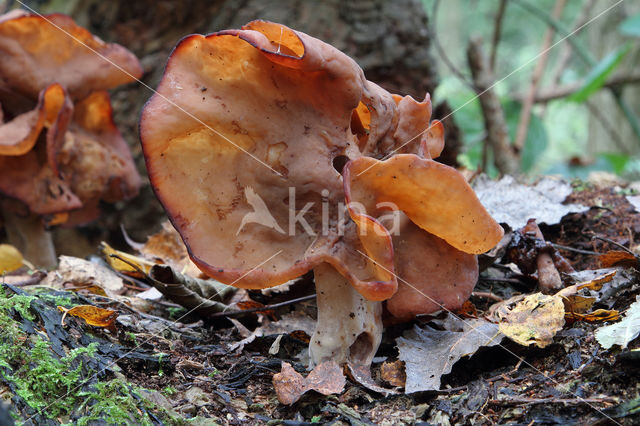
[
  {"x": 566, "y": 401},
  {"x": 487, "y": 295},
  {"x": 575, "y": 250},
  {"x": 262, "y": 308},
  {"x": 440, "y": 49},
  {"x": 585, "y": 55},
  {"x": 596, "y": 237},
  {"x": 565, "y": 53},
  {"x": 597, "y": 113},
  {"x": 541, "y": 63},
  {"x": 557, "y": 92},
  {"x": 497, "y": 30},
  {"x": 505, "y": 158},
  {"x": 32, "y": 280},
  {"x": 501, "y": 280}
]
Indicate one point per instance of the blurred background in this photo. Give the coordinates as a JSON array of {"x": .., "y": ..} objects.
[{"x": 559, "y": 79}]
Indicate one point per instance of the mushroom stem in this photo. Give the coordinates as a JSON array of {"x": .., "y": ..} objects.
[
  {"x": 28, "y": 235},
  {"x": 349, "y": 327}
]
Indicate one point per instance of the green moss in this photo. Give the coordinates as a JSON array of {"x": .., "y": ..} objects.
[
  {"x": 169, "y": 390},
  {"x": 58, "y": 300},
  {"x": 51, "y": 385}
]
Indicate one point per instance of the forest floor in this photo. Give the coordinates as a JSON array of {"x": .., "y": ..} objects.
[{"x": 147, "y": 363}]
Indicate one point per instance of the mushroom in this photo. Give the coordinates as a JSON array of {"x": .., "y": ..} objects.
[
  {"x": 60, "y": 151},
  {"x": 529, "y": 250},
  {"x": 261, "y": 145}
]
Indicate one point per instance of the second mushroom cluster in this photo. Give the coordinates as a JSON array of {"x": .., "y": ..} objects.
[
  {"x": 274, "y": 155},
  {"x": 60, "y": 151}
]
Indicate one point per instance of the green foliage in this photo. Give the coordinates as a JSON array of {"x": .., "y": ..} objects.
[
  {"x": 169, "y": 390},
  {"x": 631, "y": 26},
  {"x": 598, "y": 75},
  {"x": 536, "y": 142}
]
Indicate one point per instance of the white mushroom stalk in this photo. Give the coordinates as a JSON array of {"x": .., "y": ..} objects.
[{"x": 349, "y": 327}]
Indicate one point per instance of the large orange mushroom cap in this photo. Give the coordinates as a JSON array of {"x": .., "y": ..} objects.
[
  {"x": 247, "y": 122},
  {"x": 59, "y": 148}
]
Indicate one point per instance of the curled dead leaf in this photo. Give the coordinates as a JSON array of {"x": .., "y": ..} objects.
[
  {"x": 619, "y": 258},
  {"x": 599, "y": 315},
  {"x": 114, "y": 259},
  {"x": 98, "y": 317},
  {"x": 327, "y": 378}
]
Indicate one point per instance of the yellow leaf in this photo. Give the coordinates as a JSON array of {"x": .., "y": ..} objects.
[
  {"x": 10, "y": 258},
  {"x": 535, "y": 318},
  {"x": 120, "y": 266},
  {"x": 93, "y": 315}
]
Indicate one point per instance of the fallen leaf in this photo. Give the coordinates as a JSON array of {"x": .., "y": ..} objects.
[
  {"x": 10, "y": 258},
  {"x": 623, "y": 332},
  {"x": 81, "y": 274},
  {"x": 429, "y": 353},
  {"x": 510, "y": 202},
  {"x": 326, "y": 378},
  {"x": 618, "y": 258},
  {"x": 98, "y": 317},
  {"x": 599, "y": 315},
  {"x": 393, "y": 373},
  {"x": 114, "y": 257},
  {"x": 604, "y": 284},
  {"x": 362, "y": 374},
  {"x": 535, "y": 318},
  {"x": 467, "y": 310},
  {"x": 580, "y": 297}
]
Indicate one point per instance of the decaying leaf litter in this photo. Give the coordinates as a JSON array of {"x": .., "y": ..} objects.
[{"x": 170, "y": 364}]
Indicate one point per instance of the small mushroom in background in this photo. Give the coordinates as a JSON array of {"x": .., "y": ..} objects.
[
  {"x": 257, "y": 140},
  {"x": 532, "y": 254},
  {"x": 60, "y": 151}
]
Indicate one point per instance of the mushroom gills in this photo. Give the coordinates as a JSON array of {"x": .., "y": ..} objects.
[{"x": 349, "y": 327}]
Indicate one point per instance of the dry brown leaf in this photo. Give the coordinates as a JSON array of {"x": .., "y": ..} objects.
[
  {"x": 326, "y": 378},
  {"x": 10, "y": 258},
  {"x": 98, "y": 317},
  {"x": 79, "y": 274},
  {"x": 468, "y": 310},
  {"x": 167, "y": 246},
  {"x": 618, "y": 258},
  {"x": 580, "y": 303},
  {"x": 535, "y": 318},
  {"x": 599, "y": 315},
  {"x": 362, "y": 374},
  {"x": 393, "y": 373}
]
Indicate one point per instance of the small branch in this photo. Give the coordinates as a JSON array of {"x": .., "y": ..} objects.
[
  {"x": 497, "y": 30},
  {"x": 585, "y": 55},
  {"x": 487, "y": 295},
  {"x": 565, "y": 53},
  {"x": 575, "y": 250},
  {"x": 565, "y": 401},
  {"x": 505, "y": 157},
  {"x": 541, "y": 63},
  {"x": 262, "y": 308},
  {"x": 615, "y": 136},
  {"x": 557, "y": 92},
  {"x": 440, "y": 49}
]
